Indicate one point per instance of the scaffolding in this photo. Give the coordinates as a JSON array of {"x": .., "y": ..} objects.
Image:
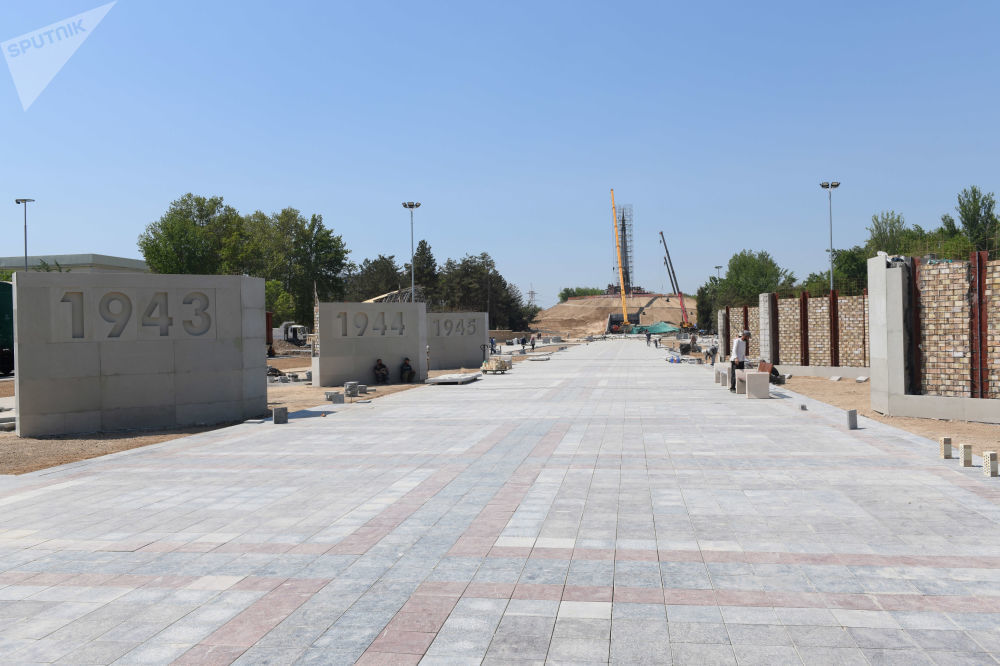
[
  {"x": 399, "y": 296},
  {"x": 623, "y": 216}
]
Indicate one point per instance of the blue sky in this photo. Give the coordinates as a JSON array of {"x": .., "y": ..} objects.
[{"x": 510, "y": 122}]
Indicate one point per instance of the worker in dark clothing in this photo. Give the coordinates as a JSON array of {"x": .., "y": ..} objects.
[
  {"x": 381, "y": 371},
  {"x": 406, "y": 373}
]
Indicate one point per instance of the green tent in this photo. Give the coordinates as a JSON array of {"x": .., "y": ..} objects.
[{"x": 659, "y": 328}]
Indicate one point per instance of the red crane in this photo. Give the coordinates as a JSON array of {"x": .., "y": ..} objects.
[{"x": 673, "y": 282}]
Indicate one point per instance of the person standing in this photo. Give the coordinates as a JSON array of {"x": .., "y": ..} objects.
[
  {"x": 648, "y": 336},
  {"x": 737, "y": 358}
]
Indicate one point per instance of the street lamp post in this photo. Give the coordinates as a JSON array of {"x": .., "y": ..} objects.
[
  {"x": 830, "y": 187},
  {"x": 718, "y": 272},
  {"x": 411, "y": 205},
  {"x": 25, "y": 202}
]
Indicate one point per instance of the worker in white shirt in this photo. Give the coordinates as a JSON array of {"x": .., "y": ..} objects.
[{"x": 737, "y": 358}]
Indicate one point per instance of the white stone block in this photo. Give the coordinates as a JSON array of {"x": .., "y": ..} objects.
[
  {"x": 966, "y": 455},
  {"x": 990, "y": 463},
  {"x": 945, "y": 447},
  {"x": 757, "y": 386},
  {"x": 835, "y": 378},
  {"x": 861, "y": 380}
]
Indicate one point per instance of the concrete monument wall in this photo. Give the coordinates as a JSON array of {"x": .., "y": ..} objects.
[
  {"x": 113, "y": 351},
  {"x": 455, "y": 339},
  {"x": 351, "y": 336}
]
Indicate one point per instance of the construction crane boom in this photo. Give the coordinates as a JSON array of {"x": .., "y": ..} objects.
[
  {"x": 673, "y": 280},
  {"x": 618, "y": 251}
]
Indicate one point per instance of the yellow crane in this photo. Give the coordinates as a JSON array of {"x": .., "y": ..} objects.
[{"x": 618, "y": 250}]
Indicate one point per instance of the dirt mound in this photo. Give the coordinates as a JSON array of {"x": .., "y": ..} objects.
[{"x": 579, "y": 317}]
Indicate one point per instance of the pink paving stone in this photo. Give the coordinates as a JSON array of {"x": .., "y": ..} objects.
[
  {"x": 587, "y": 593},
  {"x": 48, "y": 579},
  {"x": 629, "y": 555},
  {"x": 723, "y": 556},
  {"x": 689, "y": 597},
  {"x": 551, "y": 553},
  {"x": 172, "y": 582},
  {"x": 489, "y": 590},
  {"x": 417, "y": 622},
  {"x": 796, "y": 599},
  {"x": 402, "y": 642},
  {"x": 538, "y": 592},
  {"x": 638, "y": 595},
  {"x": 161, "y": 547},
  {"x": 201, "y": 547},
  {"x": 441, "y": 588},
  {"x": 209, "y": 655},
  {"x": 421, "y": 603},
  {"x": 258, "y": 584},
  {"x": 94, "y": 580},
  {"x": 14, "y": 577},
  {"x": 680, "y": 556},
  {"x": 309, "y": 549},
  {"x": 508, "y": 551},
  {"x": 593, "y": 554},
  {"x": 263, "y": 615},
  {"x": 742, "y": 598},
  {"x": 371, "y": 658},
  {"x": 851, "y": 601}
]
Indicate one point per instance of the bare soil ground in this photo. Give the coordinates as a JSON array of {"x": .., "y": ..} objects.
[
  {"x": 22, "y": 455},
  {"x": 848, "y": 394},
  {"x": 588, "y": 316}
]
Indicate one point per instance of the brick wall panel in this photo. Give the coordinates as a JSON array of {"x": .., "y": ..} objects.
[
  {"x": 753, "y": 315},
  {"x": 789, "y": 344},
  {"x": 944, "y": 329},
  {"x": 819, "y": 331},
  {"x": 993, "y": 326},
  {"x": 853, "y": 311}
]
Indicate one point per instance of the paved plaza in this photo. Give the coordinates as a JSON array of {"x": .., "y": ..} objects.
[{"x": 600, "y": 506}]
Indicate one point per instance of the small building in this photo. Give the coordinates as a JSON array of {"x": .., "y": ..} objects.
[{"x": 77, "y": 263}]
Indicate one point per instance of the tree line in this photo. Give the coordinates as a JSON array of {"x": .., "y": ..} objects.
[
  {"x": 301, "y": 259},
  {"x": 750, "y": 273}
]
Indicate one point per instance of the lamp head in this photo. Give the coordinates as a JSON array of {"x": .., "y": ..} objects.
[
  {"x": 411, "y": 204},
  {"x": 834, "y": 184},
  {"x": 21, "y": 201},
  {"x": 825, "y": 185}
]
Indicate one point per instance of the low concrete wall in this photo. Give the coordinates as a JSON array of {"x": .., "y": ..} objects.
[
  {"x": 113, "y": 351},
  {"x": 455, "y": 339},
  {"x": 353, "y": 335}
]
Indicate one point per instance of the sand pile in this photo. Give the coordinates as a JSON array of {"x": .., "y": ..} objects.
[{"x": 578, "y": 317}]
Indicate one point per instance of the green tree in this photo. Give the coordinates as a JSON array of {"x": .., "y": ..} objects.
[
  {"x": 278, "y": 301},
  {"x": 318, "y": 261},
  {"x": 750, "y": 274},
  {"x": 190, "y": 237},
  {"x": 570, "y": 292},
  {"x": 886, "y": 233},
  {"x": 374, "y": 277},
  {"x": 979, "y": 221},
  {"x": 425, "y": 272},
  {"x": 707, "y": 300},
  {"x": 5, "y": 275}
]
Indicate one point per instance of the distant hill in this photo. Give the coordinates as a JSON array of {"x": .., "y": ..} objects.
[{"x": 588, "y": 315}]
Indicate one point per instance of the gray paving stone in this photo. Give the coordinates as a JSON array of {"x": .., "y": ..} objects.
[
  {"x": 579, "y": 650},
  {"x": 699, "y": 654},
  {"x": 698, "y": 632}
]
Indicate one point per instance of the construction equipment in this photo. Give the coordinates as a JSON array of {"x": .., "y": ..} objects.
[
  {"x": 6, "y": 328},
  {"x": 686, "y": 324},
  {"x": 618, "y": 250}
]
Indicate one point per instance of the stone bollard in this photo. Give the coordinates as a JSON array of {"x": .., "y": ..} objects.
[
  {"x": 852, "y": 419},
  {"x": 990, "y": 463},
  {"x": 351, "y": 389},
  {"x": 362, "y": 388},
  {"x": 280, "y": 415},
  {"x": 946, "y": 448},
  {"x": 966, "y": 455},
  {"x": 336, "y": 397}
]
